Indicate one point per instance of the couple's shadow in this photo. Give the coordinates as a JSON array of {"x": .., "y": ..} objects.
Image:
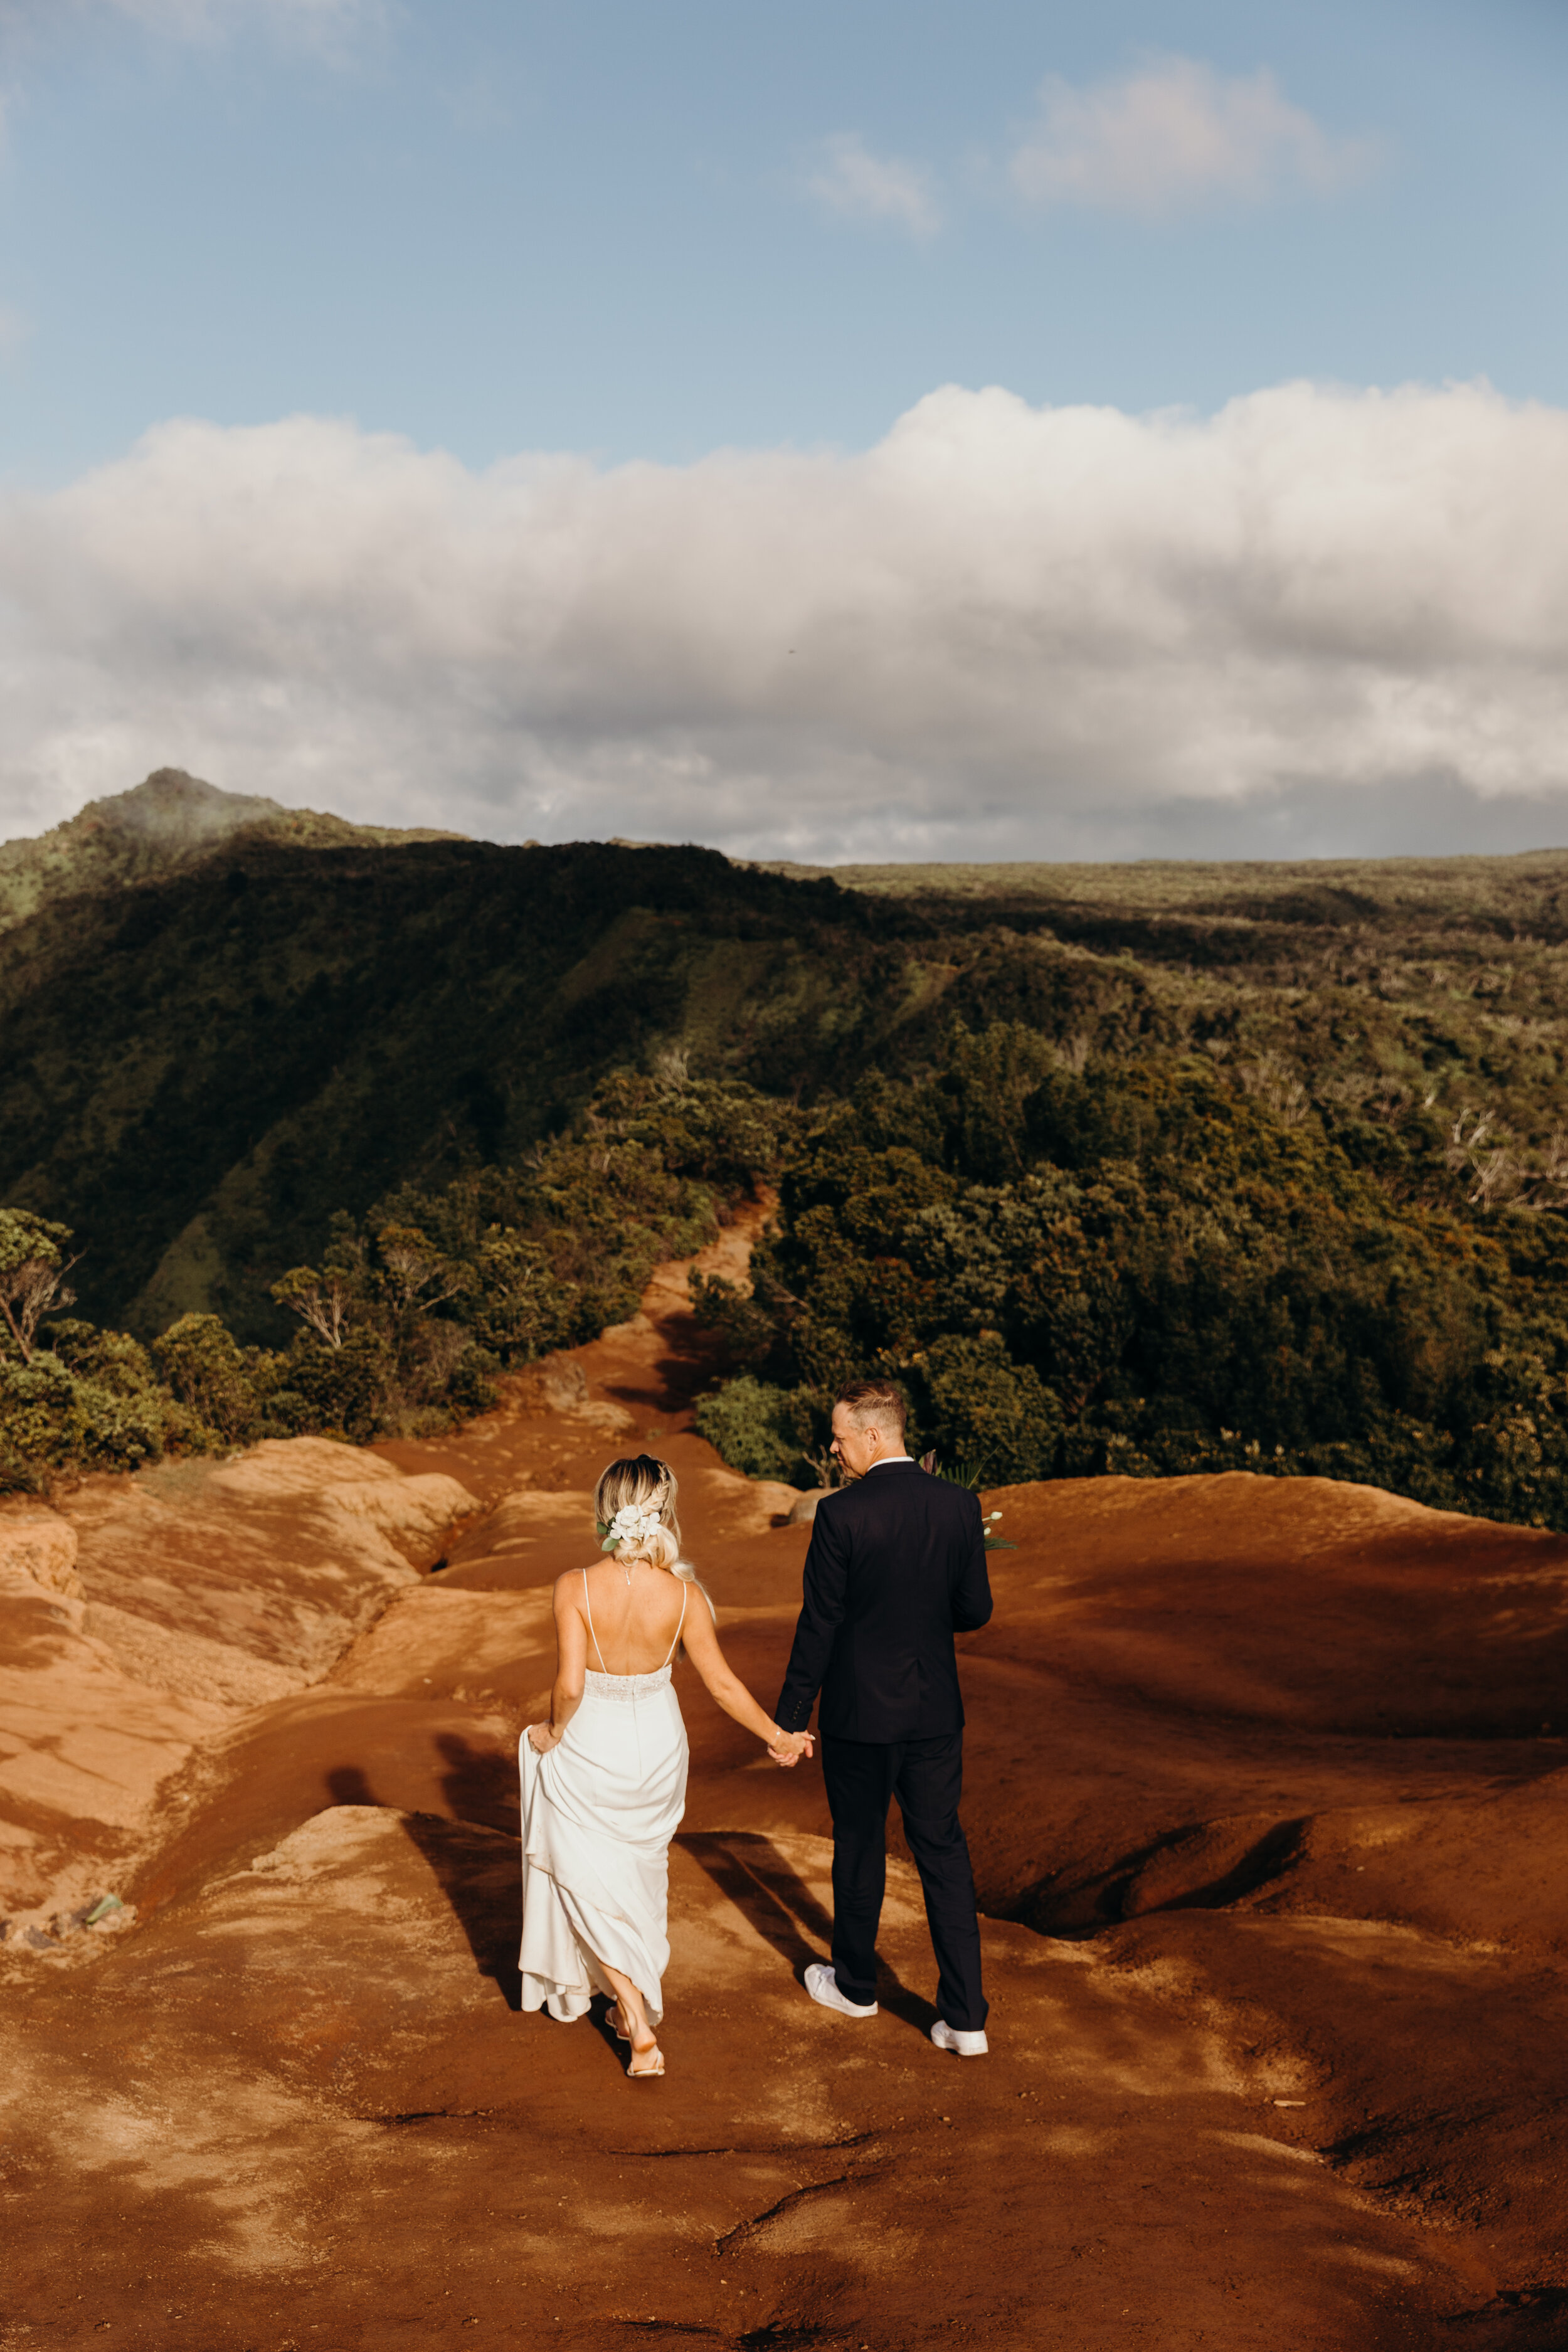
[
  {"x": 751, "y": 1873},
  {"x": 481, "y": 1885}
]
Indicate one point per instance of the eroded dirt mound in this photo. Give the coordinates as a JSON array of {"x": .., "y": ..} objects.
[
  {"x": 1266, "y": 1794},
  {"x": 152, "y": 1615}
]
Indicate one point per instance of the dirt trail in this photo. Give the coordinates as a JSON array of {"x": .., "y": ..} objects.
[{"x": 1258, "y": 1775}]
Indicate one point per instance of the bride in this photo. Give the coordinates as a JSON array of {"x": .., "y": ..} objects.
[{"x": 603, "y": 1780}]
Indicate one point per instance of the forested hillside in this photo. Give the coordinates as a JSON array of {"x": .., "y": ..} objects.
[
  {"x": 196, "y": 1075},
  {"x": 1148, "y": 1168}
]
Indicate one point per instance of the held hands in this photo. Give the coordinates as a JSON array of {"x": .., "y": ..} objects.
[
  {"x": 789, "y": 1747},
  {"x": 543, "y": 1737}
]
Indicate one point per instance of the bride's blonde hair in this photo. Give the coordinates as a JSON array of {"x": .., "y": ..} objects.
[{"x": 645, "y": 1482}]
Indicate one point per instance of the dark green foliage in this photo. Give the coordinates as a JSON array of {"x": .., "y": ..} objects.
[
  {"x": 980, "y": 1407},
  {"x": 53, "y": 1418},
  {"x": 1147, "y": 1169},
  {"x": 204, "y": 1368},
  {"x": 1142, "y": 1268},
  {"x": 197, "y": 1072},
  {"x": 411, "y": 1313},
  {"x": 351, "y": 1022},
  {"x": 545, "y": 1254},
  {"x": 345, "y": 1391},
  {"x": 769, "y": 1432}
]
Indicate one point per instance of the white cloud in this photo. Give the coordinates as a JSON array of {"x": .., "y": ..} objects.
[
  {"x": 857, "y": 185},
  {"x": 1174, "y": 135},
  {"x": 1002, "y": 631}
]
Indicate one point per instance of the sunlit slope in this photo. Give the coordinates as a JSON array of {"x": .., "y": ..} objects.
[{"x": 1312, "y": 889}]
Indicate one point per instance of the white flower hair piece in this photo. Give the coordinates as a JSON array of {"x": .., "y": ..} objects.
[{"x": 634, "y": 1523}]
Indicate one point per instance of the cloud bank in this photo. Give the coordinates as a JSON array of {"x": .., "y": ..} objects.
[
  {"x": 1313, "y": 619},
  {"x": 1175, "y": 135}
]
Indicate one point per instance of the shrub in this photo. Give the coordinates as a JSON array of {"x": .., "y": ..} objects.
[
  {"x": 973, "y": 1404},
  {"x": 472, "y": 1386},
  {"x": 347, "y": 1391},
  {"x": 202, "y": 1362},
  {"x": 51, "y": 1419},
  {"x": 767, "y": 1432}
]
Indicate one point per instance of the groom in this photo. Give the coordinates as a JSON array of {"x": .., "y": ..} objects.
[{"x": 896, "y": 1566}]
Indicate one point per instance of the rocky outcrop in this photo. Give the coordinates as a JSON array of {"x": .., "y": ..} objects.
[
  {"x": 38, "y": 1549},
  {"x": 278, "y": 1558}
]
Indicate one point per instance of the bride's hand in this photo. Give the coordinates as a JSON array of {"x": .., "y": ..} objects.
[
  {"x": 789, "y": 1748},
  {"x": 543, "y": 1737}
]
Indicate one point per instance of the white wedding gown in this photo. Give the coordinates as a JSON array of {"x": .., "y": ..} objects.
[{"x": 598, "y": 1813}]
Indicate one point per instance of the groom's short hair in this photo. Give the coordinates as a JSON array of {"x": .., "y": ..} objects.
[{"x": 873, "y": 1405}]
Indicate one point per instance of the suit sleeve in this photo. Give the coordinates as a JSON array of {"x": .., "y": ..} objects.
[
  {"x": 822, "y": 1613},
  {"x": 972, "y": 1602}
]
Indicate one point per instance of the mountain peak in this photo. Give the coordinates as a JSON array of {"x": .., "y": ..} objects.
[
  {"x": 177, "y": 811},
  {"x": 169, "y": 820}
]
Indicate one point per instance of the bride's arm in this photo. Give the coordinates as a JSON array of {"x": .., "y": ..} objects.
[
  {"x": 702, "y": 1648},
  {"x": 571, "y": 1662}
]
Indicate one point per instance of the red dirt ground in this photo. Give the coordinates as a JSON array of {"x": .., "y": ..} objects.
[{"x": 1267, "y": 1803}]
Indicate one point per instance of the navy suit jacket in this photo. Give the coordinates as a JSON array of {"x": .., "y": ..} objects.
[{"x": 897, "y": 1567}]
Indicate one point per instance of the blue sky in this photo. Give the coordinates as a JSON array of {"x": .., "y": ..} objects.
[
  {"x": 496, "y": 227},
  {"x": 1114, "y": 466}
]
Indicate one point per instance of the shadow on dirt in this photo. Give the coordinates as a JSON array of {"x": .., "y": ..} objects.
[
  {"x": 749, "y": 1870},
  {"x": 480, "y": 1880},
  {"x": 1519, "y": 2319},
  {"x": 1128, "y": 1889}
]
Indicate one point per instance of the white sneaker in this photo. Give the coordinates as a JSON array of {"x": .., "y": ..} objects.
[
  {"x": 963, "y": 2045},
  {"x": 820, "y": 1985}
]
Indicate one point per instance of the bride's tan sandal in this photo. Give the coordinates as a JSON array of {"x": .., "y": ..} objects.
[{"x": 616, "y": 2024}]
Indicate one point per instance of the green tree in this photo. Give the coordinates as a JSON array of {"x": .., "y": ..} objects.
[
  {"x": 33, "y": 1270},
  {"x": 324, "y": 1302},
  {"x": 203, "y": 1366}
]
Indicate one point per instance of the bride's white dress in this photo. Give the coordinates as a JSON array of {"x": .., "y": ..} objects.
[{"x": 598, "y": 1813}]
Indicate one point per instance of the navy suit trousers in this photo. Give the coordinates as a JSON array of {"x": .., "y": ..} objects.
[{"x": 927, "y": 1777}]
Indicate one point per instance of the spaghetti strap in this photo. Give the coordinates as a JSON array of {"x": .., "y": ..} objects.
[
  {"x": 589, "y": 1607},
  {"x": 685, "y": 1593}
]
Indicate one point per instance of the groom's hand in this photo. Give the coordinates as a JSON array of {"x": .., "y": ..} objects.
[{"x": 790, "y": 1747}]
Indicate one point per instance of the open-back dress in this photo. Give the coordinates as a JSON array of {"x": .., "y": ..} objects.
[{"x": 598, "y": 1813}]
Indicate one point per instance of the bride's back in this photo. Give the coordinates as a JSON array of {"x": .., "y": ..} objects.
[{"x": 632, "y": 1629}]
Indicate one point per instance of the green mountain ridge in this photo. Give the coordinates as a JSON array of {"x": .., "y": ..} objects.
[
  {"x": 169, "y": 821},
  {"x": 220, "y": 1022}
]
